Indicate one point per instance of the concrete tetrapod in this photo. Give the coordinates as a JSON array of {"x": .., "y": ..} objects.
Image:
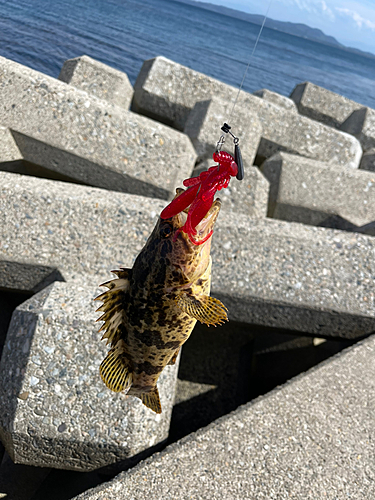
[
  {"x": 168, "y": 92},
  {"x": 266, "y": 272},
  {"x": 84, "y": 139},
  {"x": 98, "y": 79},
  {"x": 322, "y": 104},
  {"x": 311, "y": 192},
  {"x": 55, "y": 410},
  {"x": 310, "y": 438}
]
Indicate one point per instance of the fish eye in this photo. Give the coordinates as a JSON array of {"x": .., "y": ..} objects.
[{"x": 166, "y": 231}]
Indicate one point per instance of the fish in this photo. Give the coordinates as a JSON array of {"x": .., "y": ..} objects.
[{"x": 150, "y": 310}]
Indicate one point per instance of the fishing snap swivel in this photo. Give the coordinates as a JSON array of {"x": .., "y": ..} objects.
[{"x": 237, "y": 152}]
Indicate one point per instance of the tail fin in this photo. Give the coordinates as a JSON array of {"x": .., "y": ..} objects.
[
  {"x": 115, "y": 372},
  {"x": 152, "y": 400}
]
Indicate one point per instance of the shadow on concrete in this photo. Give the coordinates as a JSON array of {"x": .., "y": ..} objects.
[{"x": 222, "y": 368}]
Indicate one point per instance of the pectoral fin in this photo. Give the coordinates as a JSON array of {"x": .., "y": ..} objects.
[
  {"x": 204, "y": 308},
  {"x": 115, "y": 372},
  {"x": 152, "y": 400}
]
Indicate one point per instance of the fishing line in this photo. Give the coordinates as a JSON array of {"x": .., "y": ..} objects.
[
  {"x": 250, "y": 59},
  {"x": 226, "y": 128}
]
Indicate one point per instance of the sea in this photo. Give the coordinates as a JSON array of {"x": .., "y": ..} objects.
[{"x": 42, "y": 34}]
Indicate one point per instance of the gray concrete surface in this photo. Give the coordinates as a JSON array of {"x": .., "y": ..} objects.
[
  {"x": 311, "y": 438},
  {"x": 168, "y": 92},
  {"x": 322, "y": 104},
  {"x": 98, "y": 79},
  {"x": 78, "y": 230},
  {"x": 22, "y": 277},
  {"x": 288, "y": 275},
  {"x": 71, "y": 132},
  {"x": 307, "y": 191},
  {"x": 286, "y": 131},
  {"x": 361, "y": 124},
  {"x": 368, "y": 160},
  {"x": 203, "y": 126},
  {"x": 267, "y": 272},
  {"x": 9, "y": 151},
  {"x": 277, "y": 99},
  {"x": 55, "y": 411}
]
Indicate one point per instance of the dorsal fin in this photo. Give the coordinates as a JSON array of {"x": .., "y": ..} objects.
[
  {"x": 115, "y": 371},
  {"x": 152, "y": 400},
  {"x": 113, "y": 304}
]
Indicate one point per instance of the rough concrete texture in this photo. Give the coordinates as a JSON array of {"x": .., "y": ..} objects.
[
  {"x": 15, "y": 276},
  {"x": 322, "y": 105},
  {"x": 75, "y": 229},
  {"x": 292, "y": 276},
  {"x": 9, "y": 151},
  {"x": 304, "y": 190},
  {"x": 249, "y": 197},
  {"x": 361, "y": 124},
  {"x": 290, "y": 132},
  {"x": 168, "y": 91},
  {"x": 267, "y": 272},
  {"x": 89, "y": 140},
  {"x": 368, "y": 161},
  {"x": 277, "y": 99},
  {"x": 55, "y": 410},
  {"x": 98, "y": 79},
  {"x": 202, "y": 128},
  {"x": 310, "y": 438}
]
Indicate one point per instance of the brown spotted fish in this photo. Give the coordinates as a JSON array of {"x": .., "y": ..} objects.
[{"x": 151, "y": 309}]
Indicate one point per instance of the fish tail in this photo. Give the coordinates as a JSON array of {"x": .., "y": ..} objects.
[
  {"x": 115, "y": 371},
  {"x": 151, "y": 400}
]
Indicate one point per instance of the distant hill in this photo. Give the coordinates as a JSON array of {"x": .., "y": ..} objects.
[{"x": 296, "y": 29}]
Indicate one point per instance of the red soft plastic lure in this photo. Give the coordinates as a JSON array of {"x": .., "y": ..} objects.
[{"x": 200, "y": 194}]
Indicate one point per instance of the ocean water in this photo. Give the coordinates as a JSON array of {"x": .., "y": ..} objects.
[{"x": 42, "y": 34}]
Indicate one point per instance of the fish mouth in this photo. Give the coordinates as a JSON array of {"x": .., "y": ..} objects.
[{"x": 205, "y": 227}]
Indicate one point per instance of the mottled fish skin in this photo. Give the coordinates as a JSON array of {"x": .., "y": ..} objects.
[{"x": 151, "y": 309}]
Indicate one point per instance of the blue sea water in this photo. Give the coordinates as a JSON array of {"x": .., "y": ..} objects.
[{"x": 123, "y": 33}]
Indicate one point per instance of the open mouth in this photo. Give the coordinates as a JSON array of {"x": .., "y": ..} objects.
[{"x": 204, "y": 229}]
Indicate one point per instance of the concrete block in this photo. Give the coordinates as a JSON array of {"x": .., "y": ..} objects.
[
  {"x": 68, "y": 131},
  {"x": 292, "y": 133},
  {"x": 368, "y": 161},
  {"x": 98, "y": 79},
  {"x": 292, "y": 276},
  {"x": 75, "y": 229},
  {"x": 55, "y": 410},
  {"x": 9, "y": 151},
  {"x": 27, "y": 278},
  {"x": 310, "y": 438},
  {"x": 323, "y": 105},
  {"x": 168, "y": 92},
  {"x": 307, "y": 191},
  {"x": 277, "y": 99},
  {"x": 267, "y": 272},
  {"x": 248, "y": 197},
  {"x": 204, "y": 123},
  {"x": 361, "y": 124}
]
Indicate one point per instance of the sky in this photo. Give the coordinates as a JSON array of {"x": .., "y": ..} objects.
[{"x": 351, "y": 22}]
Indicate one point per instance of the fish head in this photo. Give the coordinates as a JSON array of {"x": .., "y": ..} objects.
[{"x": 187, "y": 261}]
